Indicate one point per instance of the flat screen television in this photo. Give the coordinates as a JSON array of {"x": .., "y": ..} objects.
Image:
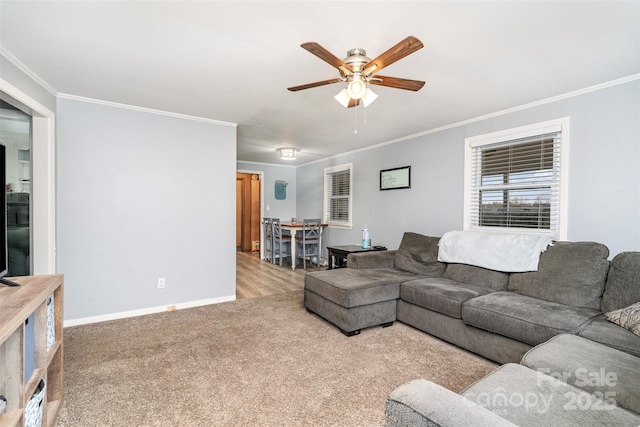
[{"x": 4, "y": 261}]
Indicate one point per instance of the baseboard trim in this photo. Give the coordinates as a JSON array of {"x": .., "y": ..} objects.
[{"x": 144, "y": 311}]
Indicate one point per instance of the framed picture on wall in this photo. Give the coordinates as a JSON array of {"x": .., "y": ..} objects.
[{"x": 396, "y": 178}]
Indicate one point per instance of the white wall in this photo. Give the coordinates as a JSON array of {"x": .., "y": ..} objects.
[
  {"x": 142, "y": 196},
  {"x": 604, "y": 174}
]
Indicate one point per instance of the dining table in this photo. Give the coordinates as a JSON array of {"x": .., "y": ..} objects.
[{"x": 293, "y": 228}]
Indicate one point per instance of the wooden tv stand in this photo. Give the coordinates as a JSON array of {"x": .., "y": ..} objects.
[{"x": 17, "y": 304}]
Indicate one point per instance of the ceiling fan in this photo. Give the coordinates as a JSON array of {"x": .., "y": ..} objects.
[{"x": 357, "y": 70}]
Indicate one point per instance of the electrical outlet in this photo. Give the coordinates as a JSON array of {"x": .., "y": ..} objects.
[
  {"x": 171, "y": 308},
  {"x": 161, "y": 282}
]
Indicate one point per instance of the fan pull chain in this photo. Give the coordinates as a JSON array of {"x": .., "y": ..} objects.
[{"x": 355, "y": 120}]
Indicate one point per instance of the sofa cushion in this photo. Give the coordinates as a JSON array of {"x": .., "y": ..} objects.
[
  {"x": 371, "y": 259},
  {"x": 528, "y": 398},
  {"x": 419, "y": 254},
  {"x": 471, "y": 274},
  {"x": 628, "y": 317},
  {"x": 589, "y": 366},
  {"x": 612, "y": 335},
  {"x": 571, "y": 273},
  {"x": 524, "y": 318},
  {"x": 352, "y": 288},
  {"x": 421, "y": 403},
  {"x": 439, "y": 294},
  {"x": 623, "y": 283}
]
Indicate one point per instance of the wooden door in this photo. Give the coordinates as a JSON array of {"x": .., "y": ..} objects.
[
  {"x": 247, "y": 212},
  {"x": 239, "y": 212}
]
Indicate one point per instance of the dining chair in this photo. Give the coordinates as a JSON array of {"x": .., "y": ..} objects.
[
  {"x": 281, "y": 242},
  {"x": 268, "y": 240},
  {"x": 308, "y": 245}
]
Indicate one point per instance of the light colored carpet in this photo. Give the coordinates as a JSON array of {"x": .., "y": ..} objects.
[{"x": 252, "y": 362}]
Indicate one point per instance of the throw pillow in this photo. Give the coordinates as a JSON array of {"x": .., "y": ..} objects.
[
  {"x": 418, "y": 254},
  {"x": 628, "y": 317},
  {"x": 415, "y": 263}
]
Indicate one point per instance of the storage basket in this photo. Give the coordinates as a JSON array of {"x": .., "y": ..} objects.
[
  {"x": 34, "y": 409},
  {"x": 51, "y": 330}
]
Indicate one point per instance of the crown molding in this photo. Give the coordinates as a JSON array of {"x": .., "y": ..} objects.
[
  {"x": 575, "y": 93},
  {"x": 144, "y": 109},
  {"x": 22, "y": 67},
  {"x": 36, "y": 78}
]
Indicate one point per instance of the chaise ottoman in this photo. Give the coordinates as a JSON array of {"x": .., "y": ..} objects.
[{"x": 354, "y": 299}]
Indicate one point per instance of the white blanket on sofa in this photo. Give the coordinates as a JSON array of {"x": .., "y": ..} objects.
[{"x": 495, "y": 251}]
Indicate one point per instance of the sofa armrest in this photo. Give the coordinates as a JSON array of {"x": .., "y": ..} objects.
[
  {"x": 423, "y": 403},
  {"x": 375, "y": 259}
]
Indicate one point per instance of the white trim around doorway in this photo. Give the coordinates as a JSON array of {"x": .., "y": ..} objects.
[{"x": 44, "y": 183}]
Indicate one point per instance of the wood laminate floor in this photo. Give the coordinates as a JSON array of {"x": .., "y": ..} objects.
[{"x": 258, "y": 278}]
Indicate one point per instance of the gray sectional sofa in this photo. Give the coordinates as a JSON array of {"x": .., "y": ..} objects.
[
  {"x": 498, "y": 315},
  {"x": 501, "y": 316}
]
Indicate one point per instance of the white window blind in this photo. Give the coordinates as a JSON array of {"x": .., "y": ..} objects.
[
  {"x": 338, "y": 196},
  {"x": 516, "y": 182}
]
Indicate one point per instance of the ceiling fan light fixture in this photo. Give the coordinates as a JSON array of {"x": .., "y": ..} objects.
[
  {"x": 356, "y": 89},
  {"x": 357, "y": 70},
  {"x": 369, "y": 97},
  {"x": 287, "y": 153},
  {"x": 343, "y": 98}
]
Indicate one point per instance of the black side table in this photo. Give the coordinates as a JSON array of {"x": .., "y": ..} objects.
[{"x": 338, "y": 254}]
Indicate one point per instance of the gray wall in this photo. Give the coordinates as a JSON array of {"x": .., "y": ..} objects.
[
  {"x": 604, "y": 174},
  {"x": 142, "y": 196}
]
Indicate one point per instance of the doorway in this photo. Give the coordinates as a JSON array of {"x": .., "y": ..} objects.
[
  {"x": 15, "y": 135},
  {"x": 42, "y": 170},
  {"x": 248, "y": 202}
]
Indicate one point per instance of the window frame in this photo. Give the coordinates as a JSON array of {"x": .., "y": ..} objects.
[
  {"x": 330, "y": 171},
  {"x": 504, "y": 137}
]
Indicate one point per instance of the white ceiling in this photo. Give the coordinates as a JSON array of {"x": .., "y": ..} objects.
[{"x": 232, "y": 61}]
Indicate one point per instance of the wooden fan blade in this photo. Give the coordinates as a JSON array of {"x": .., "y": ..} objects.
[
  {"x": 315, "y": 84},
  {"x": 397, "y": 52},
  {"x": 353, "y": 103},
  {"x": 327, "y": 57},
  {"x": 395, "y": 82}
]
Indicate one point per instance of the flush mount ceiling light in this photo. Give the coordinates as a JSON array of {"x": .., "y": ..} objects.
[
  {"x": 357, "y": 70},
  {"x": 287, "y": 153}
]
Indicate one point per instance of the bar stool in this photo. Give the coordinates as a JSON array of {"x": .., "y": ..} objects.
[
  {"x": 308, "y": 245},
  {"x": 281, "y": 242},
  {"x": 268, "y": 240}
]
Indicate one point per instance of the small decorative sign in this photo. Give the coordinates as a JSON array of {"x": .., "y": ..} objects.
[
  {"x": 396, "y": 178},
  {"x": 281, "y": 190}
]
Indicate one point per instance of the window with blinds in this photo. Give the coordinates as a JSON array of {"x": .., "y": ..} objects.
[
  {"x": 338, "y": 196},
  {"x": 516, "y": 181}
]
